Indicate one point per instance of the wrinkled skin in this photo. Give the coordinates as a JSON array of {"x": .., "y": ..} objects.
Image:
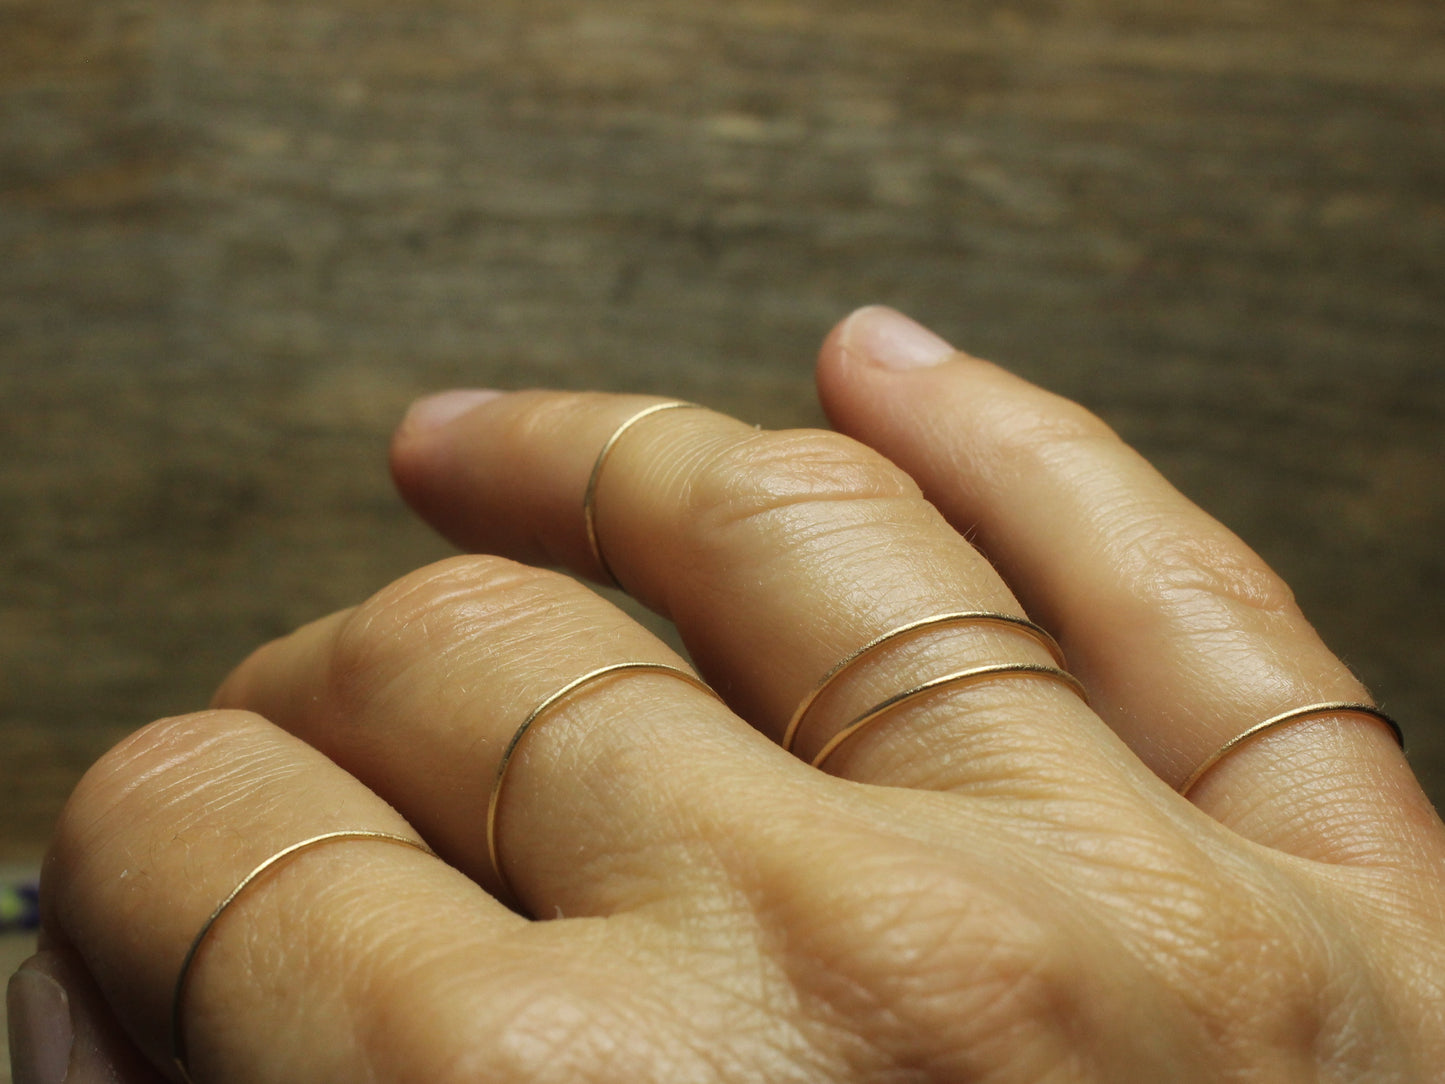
[{"x": 993, "y": 882}]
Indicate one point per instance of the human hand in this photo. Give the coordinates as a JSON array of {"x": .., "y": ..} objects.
[{"x": 993, "y": 881}]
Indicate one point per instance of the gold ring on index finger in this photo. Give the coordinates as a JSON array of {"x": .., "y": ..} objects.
[{"x": 589, "y": 497}]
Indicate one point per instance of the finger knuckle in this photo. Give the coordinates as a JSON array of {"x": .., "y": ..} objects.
[
  {"x": 1175, "y": 570},
  {"x": 545, "y": 418},
  {"x": 954, "y": 951},
  {"x": 1045, "y": 429},
  {"x": 949, "y": 965},
  {"x": 128, "y": 784},
  {"x": 437, "y": 615},
  {"x": 772, "y": 473},
  {"x": 1270, "y": 981},
  {"x": 1245, "y": 963},
  {"x": 1168, "y": 564}
]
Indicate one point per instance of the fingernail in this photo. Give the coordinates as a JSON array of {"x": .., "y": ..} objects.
[
  {"x": 41, "y": 1033},
  {"x": 435, "y": 411},
  {"x": 886, "y": 337}
]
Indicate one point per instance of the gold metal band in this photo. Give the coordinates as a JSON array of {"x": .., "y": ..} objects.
[
  {"x": 1291, "y": 716},
  {"x": 589, "y": 498},
  {"x": 961, "y": 677},
  {"x": 541, "y": 709},
  {"x": 961, "y": 617},
  {"x": 179, "y": 1049}
]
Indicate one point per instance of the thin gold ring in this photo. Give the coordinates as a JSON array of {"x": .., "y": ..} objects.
[
  {"x": 589, "y": 497},
  {"x": 180, "y": 1053},
  {"x": 961, "y": 677},
  {"x": 1293, "y": 715},
  {"x": 541, "y": 709},
  {"x": 961, "y": 617}
]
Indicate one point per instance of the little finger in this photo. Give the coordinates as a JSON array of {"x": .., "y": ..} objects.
[{"x": 166, "y": 826}]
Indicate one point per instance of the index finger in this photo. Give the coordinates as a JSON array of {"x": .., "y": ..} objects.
[{"x": 1186, "y": 637}]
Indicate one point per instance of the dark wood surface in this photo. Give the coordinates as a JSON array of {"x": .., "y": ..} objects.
[{"x": 237, "y": 237}]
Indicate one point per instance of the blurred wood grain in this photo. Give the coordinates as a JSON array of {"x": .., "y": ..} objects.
[{"x": 236, "y": 238}]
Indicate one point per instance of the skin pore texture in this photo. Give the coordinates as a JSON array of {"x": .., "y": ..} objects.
[{"x": 996, "y": 881}]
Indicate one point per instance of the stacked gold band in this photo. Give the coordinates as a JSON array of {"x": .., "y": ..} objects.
[
  {"x": 1309, "y": 711},
  {"x": 960, "y": 617},
  {"x": 960, "y": 677},
  {"x": 541, "y": 709},
  {"x": 180, "y": 1053},
  {"x": 589, "y": 497}
]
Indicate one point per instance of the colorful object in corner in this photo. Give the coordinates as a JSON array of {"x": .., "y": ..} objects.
[{"x": 19, "y": 907}]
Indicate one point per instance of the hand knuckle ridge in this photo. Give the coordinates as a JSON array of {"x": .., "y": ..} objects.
[{"x": 452, "y": 601}]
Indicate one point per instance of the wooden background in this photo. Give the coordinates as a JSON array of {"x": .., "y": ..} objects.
[{"x": 237, "y": 236}]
